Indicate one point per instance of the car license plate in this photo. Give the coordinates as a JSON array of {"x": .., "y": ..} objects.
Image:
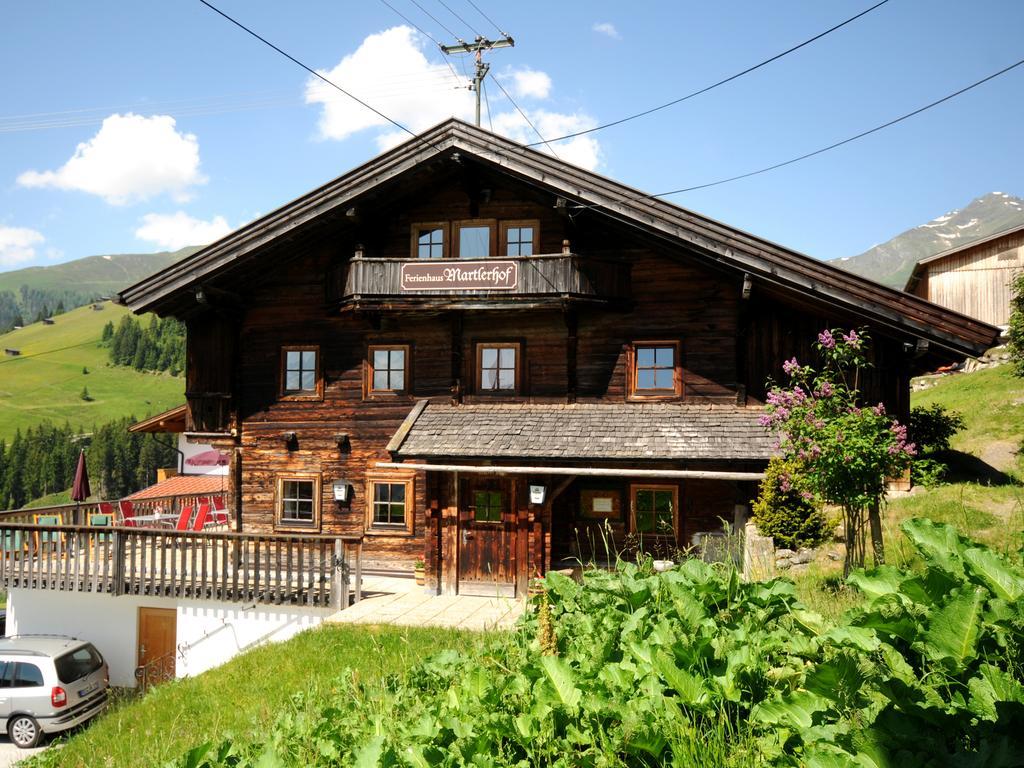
[{"x": 89, "y": 689}]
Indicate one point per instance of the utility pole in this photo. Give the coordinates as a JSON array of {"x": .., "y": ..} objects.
[{"x": 478, "y": 47}]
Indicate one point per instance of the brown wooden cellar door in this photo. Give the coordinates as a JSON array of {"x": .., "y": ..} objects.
[{"x": 487, "y": 537}]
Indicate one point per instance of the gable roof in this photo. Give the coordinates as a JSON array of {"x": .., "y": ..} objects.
[
  {"x": 767, "y": 263},
  {"x": 916, "y": 275}
]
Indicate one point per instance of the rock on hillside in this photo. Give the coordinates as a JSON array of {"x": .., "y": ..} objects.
[{"x": 892, "y": 262}]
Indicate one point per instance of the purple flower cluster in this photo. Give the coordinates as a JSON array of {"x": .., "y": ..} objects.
[
  {"x": 826, "y": 339},
  {"x": 899, "y": 432},
  {"x": 852, "y": 339},
  {"x": 791, "y": 366}
]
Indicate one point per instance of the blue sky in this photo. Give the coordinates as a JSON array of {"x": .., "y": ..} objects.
[{"x": 135, "y": 127}]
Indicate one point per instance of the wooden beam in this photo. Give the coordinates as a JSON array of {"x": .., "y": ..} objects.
[
  {"x": 396, "y": 441},
  {"x": 686, "y": 474}
]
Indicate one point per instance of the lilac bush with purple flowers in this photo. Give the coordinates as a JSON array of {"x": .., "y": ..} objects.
[{"x": 845, "y": 449}]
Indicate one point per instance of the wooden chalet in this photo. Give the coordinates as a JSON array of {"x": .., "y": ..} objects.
[
  {"x": 476, "y": 354},
  {"x": 975, "y": 279}
]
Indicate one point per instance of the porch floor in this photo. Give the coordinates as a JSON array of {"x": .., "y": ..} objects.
[{"x": 394, "y": 600}]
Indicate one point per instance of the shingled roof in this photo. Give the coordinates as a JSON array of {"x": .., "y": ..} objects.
[{"x": 624, "y": 431}]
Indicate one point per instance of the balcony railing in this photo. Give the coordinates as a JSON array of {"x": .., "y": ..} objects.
[
  {"x": 321, "y": 571},
  {"x": 501, "y": 280}
]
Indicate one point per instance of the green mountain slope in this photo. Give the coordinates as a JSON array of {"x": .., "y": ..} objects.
[
  {"x": 892, "y": 262},
  {"x": 46, "y": 381},
  {"x": 93, "y": 275}
]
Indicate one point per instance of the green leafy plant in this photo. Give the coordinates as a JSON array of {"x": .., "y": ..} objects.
[
  {"x": 786, "y": 508},
  {"x": 695, "y": 667}
]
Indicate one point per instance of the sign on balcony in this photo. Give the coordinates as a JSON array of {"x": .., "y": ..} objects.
[{"x": 490, "y": 275}]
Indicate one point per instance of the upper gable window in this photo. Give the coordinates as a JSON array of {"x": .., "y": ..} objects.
[
  {"x": 430, "y": 240},
  {"x": 474, "y": 239},
  {"x": 299, "y": 371},
  {"x": 519, "y": 238},
  {"x": 498, "y": 368}
]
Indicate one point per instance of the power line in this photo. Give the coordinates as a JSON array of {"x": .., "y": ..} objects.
[
  {"x": 461, "y": 20},
  {"x": 527, "y": 119},
  {"x": 423, "y": 32},
  {"x": 729, "y": 79},
  {"x": 316, "y": 74},
  {"x": 487, "y": 19},
  {"x": 92, "y": 342},
  {"x": 435, "y": 20},
  {"x": 822, "y": 150}
]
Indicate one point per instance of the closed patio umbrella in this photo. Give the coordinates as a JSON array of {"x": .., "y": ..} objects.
[{"x": 80, "y": 490}]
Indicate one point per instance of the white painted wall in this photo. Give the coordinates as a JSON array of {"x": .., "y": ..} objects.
[
  {"x": 191, "y": 450},
  {"x": 208, "y": 632}
]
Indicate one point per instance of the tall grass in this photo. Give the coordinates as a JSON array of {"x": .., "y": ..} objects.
[{"x": 245, "y": 697}]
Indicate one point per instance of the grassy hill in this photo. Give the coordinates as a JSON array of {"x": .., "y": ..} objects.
[
  {"x": 46, "y": 381},
  {"x": 93, "y": 275}
]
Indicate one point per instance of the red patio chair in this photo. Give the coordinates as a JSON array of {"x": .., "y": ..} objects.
[
  {"x": 220, "y": 511},
  {"x": 202, "y": 517},
  {"x": 127, "y": 513},
  {"x": 106, "y": 508},
  {"x": 184, "y": 518}
]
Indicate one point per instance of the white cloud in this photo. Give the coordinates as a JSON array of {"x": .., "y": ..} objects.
[
  {"x": 17, "y": 245},
  {"x": 131, "y": 158},
  {"x": 584, "y": 151},
  {"x": 607, "y": 28},
  {"x": 176, "y": 230},
  {"x": 531, "y": 83},
  {"x": 390, "y": 71}
]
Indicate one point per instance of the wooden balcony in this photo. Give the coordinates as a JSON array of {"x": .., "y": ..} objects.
[
  {"x": 502, "y": 282},
  {"x": 313, "y": 570},
  {"x": 208, "y": 413}
]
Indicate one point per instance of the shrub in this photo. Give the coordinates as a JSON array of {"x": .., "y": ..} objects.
[
  {"x": 932, "y": 426},
  {"x": 786, "y": 508},
  {"x": 928, "y": 472}
]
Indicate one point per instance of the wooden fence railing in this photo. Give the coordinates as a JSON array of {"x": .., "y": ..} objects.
[
  {"x": 78, "y": 514},
  {"x": 324, "y": 571}
]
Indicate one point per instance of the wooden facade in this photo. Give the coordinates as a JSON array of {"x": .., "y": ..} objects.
[
  {"x": 312, "y": 354},
  {"x": 975, "y": 279}
]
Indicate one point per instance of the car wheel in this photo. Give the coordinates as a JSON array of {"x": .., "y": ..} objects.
[{"x": 24, "y": 731}]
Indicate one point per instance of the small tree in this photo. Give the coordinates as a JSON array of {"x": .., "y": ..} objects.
[
  {"x": 847, "y": 450},
  {"x": 1016, "y": 329}
]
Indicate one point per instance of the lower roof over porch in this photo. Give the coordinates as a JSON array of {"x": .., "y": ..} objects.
[{"x": 558, "y": 438}]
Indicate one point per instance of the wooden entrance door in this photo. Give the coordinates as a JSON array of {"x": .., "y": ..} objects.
[
  {"x": 158, "y": 630},
  {"x": 487, "y": 537}
]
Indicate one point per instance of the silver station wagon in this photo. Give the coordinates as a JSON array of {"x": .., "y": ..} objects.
[{"x": 48, "y": 684}]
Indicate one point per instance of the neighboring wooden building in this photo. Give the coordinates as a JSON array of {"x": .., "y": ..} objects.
[
  {"x": 485, "y": 357},
  {"x": 974, "y": 279}
]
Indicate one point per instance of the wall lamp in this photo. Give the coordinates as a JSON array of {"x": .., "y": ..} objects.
[
  {"x": 538, "y": 493},
  {"x": 342, "y": 491}
]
